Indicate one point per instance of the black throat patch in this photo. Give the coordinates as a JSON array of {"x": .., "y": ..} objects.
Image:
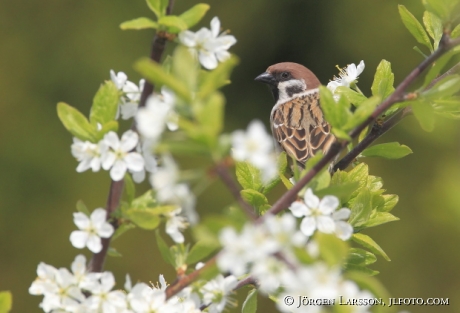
[{"x": 275, "y": 92}]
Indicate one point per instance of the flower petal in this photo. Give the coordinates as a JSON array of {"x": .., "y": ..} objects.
[
  {"x": 94, "y": 244},
  {"x": 328, "y": 204},
  {"x": 343, "y": 230},
  {"x": 81, "y": 220},
  {"x": 129, "y": 141},
  {"x": 134, "y": 161},
  {"x": 188, "y": 38},
  {"x": 298, "y": 209},
  {"x": 112, "y": 140},
  {"x": 311, "y": 200},
  {"x": 360, "y": 68},
  {"x": 215, "y": 27},
  {"x": 308, "y": 226},
  {"x": 78, "y": 239},
  {"x": 325, "y": 224},
  {"x": 342, "y": 214},
  {"x": 118, "y": 170},
  {"x": 106, "y": 230},
  {"x": 207, "y": 59}
]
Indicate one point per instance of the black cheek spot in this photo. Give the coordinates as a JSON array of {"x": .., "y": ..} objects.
[{"x": 292, "y": 90}]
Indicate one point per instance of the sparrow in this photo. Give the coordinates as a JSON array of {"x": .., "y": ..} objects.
[{"x": 296, "y": 119}]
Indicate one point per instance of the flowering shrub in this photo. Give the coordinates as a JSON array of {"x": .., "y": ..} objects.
[{"x": 299, "y": 245}]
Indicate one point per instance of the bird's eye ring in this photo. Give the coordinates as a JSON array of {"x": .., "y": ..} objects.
[{"x": 285, "y": 74}]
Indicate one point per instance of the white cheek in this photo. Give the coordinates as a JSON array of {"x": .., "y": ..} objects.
[{"x": 284, "y": 86}]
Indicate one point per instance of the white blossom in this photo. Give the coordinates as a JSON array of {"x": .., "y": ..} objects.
[
  {"x": 175, "y": 223},
  {"x": 88, "y": 154},
  {"x": 322, "y": 215},
  {"x": 119, "y": 79},
  {"x": 130, "y": 101},
  {"x": 255, "y": 146},
  {"x": 121, "y": 158},
  {"x": 157, "y": 114},
  {"x": 91, "y": 230},
  {"x": 103, "y": 299},
  {"x": 208, "y": 44},
  {"x": 216, "y": 292},
  {"x": 150, "y": 162},
  {"x": 347, "y": 76},
  {"x": 165, "y": 181}
]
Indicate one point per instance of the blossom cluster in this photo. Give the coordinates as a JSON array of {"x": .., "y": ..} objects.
[
  {"x": 80, "y": 291},
  {"x": 129, "y": 101},
  {"x": 347, "y": 77},
  {"x": 266, "y": 252},
  {"x": 210, "y": 46},
  {"x": 256, "y": 146},
  {"x": 322, "y": 215}
]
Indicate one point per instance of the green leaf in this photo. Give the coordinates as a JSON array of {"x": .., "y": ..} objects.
[
  {"x": 446, "y": 87},
  {"x": 390, "y": 203},
  {"x": 123, "y": 228},
  {"x": 185, "y": 67},
  {"x": 130, "y": 189},
  {"x": 423, "y": 112},
  {"x": 383, "y": 80},
  {"x": 107, "y": 127},
  {"x": 164, "y": 250},
  {"x": 447, "y": 107},
  {"x": 248, "y": 176},
  {"x": 199, "y": 251},
  {"x": 331, "y": 249},
  {"x": 389, "y": 150},
  {"x": 105, "y": 104},
  {"x": 139, "y": 23},
  {"x": 363, "y": 112},
  {"x": 341, "y": 134},
  {"x": 215, "y": 79},
  {"x": 439, "y": 65},
  {"x": 360, "y": 174},
  {"x": 250, "y": 304},
  {"x": 254, "y": 198},
  {"x": 174, "y": 23},
  {"x": 445, "y": 9},
  {"x": 352, "y": 96},
  {"x": 76, "y": 123},
  {"x": 6, "y": 301},
  {"x": 143, "y": 218},
  {"x": 433, "y": 25},
  {"x": 455, "y": 32},
  {"x": 360, "y": 257},
  {"x": 192, "y": 16},
  {"x": 154, "y": 73},
  {"x": 81, "y": 207},
  {"x": 370, "y": 244},
  {"x": 414, "y": 27},
  {"x": 361, "y": 208},
  {"x": 367, "y": 282},
  {"x": 343, "y": 192},
  {"x": 211, "y": 118},
  {"x": 157, "y": 6},
  {"x": 378, "y": 218},
  {"x": 337, "y": 114},
  {"x": 113, "y": 252},
  {"x": 361, "y": 269}
]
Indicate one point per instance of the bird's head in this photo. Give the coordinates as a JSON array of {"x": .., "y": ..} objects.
[{"x": 286, "y": 80}]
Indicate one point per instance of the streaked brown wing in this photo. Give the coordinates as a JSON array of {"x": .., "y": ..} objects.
[{"x": 300, "y": 129}]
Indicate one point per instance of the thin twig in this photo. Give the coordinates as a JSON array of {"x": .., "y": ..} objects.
[
  {"x": 116, "y": 187},
  {"x": 376, "y": 132},
  {"x": 225, "y": 176}
]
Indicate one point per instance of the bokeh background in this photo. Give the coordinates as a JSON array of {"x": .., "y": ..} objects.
[{"x": 61, "y": 50}]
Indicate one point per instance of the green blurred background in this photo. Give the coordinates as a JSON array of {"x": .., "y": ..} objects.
[{"x": 61, "y": 50}]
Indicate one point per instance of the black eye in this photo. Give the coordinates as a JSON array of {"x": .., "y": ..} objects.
[{"x": 285, "y": 75}]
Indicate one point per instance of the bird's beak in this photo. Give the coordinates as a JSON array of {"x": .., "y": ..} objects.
[{"x": 266, "y": 78}]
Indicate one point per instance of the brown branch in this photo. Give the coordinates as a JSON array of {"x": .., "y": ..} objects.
[
  {"x": 225, "y": 176},
  {"x": 376, "y": 131},
  {"x": 116, "y": 187}
]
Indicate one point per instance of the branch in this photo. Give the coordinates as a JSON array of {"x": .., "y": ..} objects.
[
  {"x": 116, "y": 187},
  {"x": 224, "y": 174},
  {"x": 376, "y": 131}
]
